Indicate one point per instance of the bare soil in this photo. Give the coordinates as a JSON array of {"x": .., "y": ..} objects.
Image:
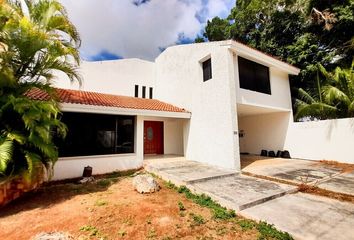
[
  {"x": 344, "y": 167},
  {"x": 111, "y": 209}
]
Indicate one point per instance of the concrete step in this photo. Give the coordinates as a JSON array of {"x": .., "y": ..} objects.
[
  {"x": 232, "y": 190},
  {"x": 240, "y": 192}
]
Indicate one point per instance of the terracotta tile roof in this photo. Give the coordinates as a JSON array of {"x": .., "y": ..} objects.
[{"x": 107, "y": 100}]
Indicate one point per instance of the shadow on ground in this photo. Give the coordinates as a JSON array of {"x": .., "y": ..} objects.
[{"x": 54, "y": 193}]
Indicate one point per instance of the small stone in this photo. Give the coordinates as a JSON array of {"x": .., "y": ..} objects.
[
  {"x": 87, "y": 180},
  {"x": 145, "y": 184},
  {"x": 53, "y": 236}
]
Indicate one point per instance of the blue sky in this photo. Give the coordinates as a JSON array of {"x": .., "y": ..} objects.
[{"x": 114, "y": 29}]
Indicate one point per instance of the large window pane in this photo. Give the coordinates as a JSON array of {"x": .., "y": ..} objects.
[
  {"x": 95, "y": 134},
  {"x": 125, "y": 135},
  {"x": 253, "y": 76}
]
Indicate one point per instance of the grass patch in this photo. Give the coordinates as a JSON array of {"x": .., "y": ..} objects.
[
  {"x": 104, "y": 182},
  {"x": 100, "y": 203},
  {"x": 197, "y": 219},
  {"x": 246, "y": 224},
  {"x": 181, "y": 207},
  {"x": 268, "y": 231},
  {"x": 203, "y": 200},
  {"x": 169, "y": 185},
  {"x": 221, "y": 230},
  {"x": 127, "y": 173},
  {"x": 93, "y": 231},
  {"x": 151, "y": 233},
  {"x": 122, "y": 233}
]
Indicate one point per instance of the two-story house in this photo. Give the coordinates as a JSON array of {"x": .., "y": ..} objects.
[{"x": 208, "y": 102}]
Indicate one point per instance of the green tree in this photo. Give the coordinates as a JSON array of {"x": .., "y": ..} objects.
[
  {"x": 333, "y": 96},
  {"x": 217, "y": 29},
  {"x": 36, "y": 40}
]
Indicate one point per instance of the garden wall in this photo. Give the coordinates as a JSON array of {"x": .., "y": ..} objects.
[
  {"x": 322, "y": 140},
  {"x": 316, "y": 140},
  {"x": 14, "y": 188}
]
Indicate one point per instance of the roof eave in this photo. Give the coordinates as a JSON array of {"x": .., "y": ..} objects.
[
  {"x": 73, "y": 107},
  {"x": 243, "y": 50}
]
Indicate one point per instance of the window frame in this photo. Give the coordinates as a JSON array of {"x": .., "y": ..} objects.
[
  {"x": 207, "y": 69},
  {"x": 252, "y": 83},
  {"x": 143, "y": 94},
  {"x": 150, "y": 92},
  {"x": 136, "y": 91},
  {"x": 76, "y": 151}
]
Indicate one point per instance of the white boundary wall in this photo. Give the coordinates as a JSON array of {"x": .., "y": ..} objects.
[
  {"x": 318, "y": 140},
  {"x": 322, "y": 140}
]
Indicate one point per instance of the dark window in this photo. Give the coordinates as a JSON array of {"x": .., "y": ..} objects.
[
  {"x": 207, "y": 70},
  {"x": 136, "y": 94},
  {"x": 253, "y": 76},
  {"x": 150, "y": 93},
  {"x": 144, "y": 92},
  {"x": 95, "y": 134}
]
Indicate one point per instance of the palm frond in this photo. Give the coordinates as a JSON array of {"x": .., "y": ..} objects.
[
  {"x": 6, "y": 154},
  {"x": 333, "y": 95},
  {"x": 305, "y": 96},
  {"x": 314, "y": 110}
]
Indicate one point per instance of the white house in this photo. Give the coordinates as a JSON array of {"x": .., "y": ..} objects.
[{"x": 208, "y": 102}]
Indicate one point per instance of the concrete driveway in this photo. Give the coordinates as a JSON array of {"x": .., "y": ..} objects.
[
  {"x": 330, "y": 177},
  {"x": 303, "y": 215},
  {"x": 307, "y": 216}
]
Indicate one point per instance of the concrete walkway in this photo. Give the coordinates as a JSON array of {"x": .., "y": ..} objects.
[{"x": 302, "y": 215}]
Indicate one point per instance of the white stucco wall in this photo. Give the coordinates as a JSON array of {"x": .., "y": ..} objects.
[
  {"x": 211, "y": 134},
  {"x": 73, "y": 167},
  {"x": 319, "y": 140},
  {"x": 280, "y": 89},
  {"x": 266, "y": 131},
  {"x": 322, "y": 140},
  {"x": 117, "y": 77}
]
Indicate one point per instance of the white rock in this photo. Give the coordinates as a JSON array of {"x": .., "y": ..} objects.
[
  {"x": 145, "y": 184},
  {"x": 87, "y": 180}
]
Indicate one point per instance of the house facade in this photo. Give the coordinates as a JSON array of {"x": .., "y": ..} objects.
[{"x": 208, "y": 102}]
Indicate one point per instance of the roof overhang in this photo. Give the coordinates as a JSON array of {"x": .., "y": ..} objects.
[
  {"x": 83, "y": 108},
  {"x": 258, "y": 56},
  {"x": 244, "y": 110}
]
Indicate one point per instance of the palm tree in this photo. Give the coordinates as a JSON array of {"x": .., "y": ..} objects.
[
  {"x": 333, "y": 97},
  {"x": 36, "y": 40}
]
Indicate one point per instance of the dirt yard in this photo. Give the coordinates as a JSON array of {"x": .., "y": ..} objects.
[{"x": 111, "y": 209}]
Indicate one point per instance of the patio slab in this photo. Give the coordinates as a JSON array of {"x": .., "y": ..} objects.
[
  {"x": 343, "y": 183},
  {"x": 239, "y": 192},
  {"x": 185, "y": 172},
  {"x": 307, "y": 216},
  {"x": 293, "y": 170}
]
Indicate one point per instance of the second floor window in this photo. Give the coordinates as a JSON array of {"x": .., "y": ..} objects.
[
  {"x": 207, "y": 73},
  {"x": 253, "y": 76}
]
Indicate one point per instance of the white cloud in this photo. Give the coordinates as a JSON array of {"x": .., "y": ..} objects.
[{"x": 127, "y": 30}]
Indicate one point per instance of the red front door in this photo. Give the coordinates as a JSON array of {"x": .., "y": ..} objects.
[{"x": 153, "y": 137}]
